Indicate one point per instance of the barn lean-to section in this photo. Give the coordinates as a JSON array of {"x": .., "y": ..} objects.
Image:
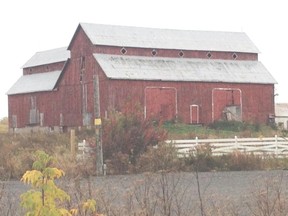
[{"x": 195, "y": 77}]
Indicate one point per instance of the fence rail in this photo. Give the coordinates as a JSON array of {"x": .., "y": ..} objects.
[{"x": 276, "y": 146}]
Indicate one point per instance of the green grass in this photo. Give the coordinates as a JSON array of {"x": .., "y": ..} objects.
[{"x": 219, "y": 130}]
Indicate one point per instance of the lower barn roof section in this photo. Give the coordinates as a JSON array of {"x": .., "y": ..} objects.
[
  {"x": 48, "y": 57},
  {"x": 183, "y": 69},
  {"x": 35, "y": 83}
]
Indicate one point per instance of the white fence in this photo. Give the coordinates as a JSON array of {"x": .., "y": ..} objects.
[{"x": 276, "y": 146}]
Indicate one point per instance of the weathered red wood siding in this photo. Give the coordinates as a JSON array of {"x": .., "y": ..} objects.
[
  {"x": 257, "y": 100},
  {"x": 47, "y": 103},
  {"x": 223, "y": 97},
  {"x": 174, "y": 53},
  {"x": 43, "y": 68},
  {"x": 76, "y": 85},
  {"x": 160, "y": 103}
]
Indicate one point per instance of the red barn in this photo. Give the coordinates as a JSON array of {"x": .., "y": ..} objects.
[{"x": 196, "y": 77}]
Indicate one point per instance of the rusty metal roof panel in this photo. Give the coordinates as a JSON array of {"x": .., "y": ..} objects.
[
  {"x": 127, "y": 36},
  {"x": 48, "y": 57},
  {"x": 35, "y": 83},
  {"x": 183, "y": 69}
]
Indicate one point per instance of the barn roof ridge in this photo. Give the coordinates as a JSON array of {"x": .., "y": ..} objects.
[
  {"x": 130, "y": 36},
  {"x": 183, "y": 69},
  {"x": 48, "y": 57}
]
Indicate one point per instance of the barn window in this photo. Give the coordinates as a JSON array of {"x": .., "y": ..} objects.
[
  {"x": 82, "y": 67},
  {"x": 34, "y": 112},
  {"x": 82, "y": 62},
  {"x": 41, "y": 119},
  {"x": 181, "y": 53},
  {"x": 33, "y": 102},
  {"x": 154, "y": 52},
  {"x": 234, "y": 56},
  {"x": 209, "y": 55},
  {"x": 123, "y": 51},
  {"x": 14, "y": 121}
]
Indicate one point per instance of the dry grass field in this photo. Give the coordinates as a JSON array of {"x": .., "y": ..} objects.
[{"x": 4, "y": 125}]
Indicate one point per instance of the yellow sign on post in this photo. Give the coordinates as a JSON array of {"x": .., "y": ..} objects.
[{"x": 97, "y": 121}]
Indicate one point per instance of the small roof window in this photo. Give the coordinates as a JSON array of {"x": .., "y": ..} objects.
[
  {"x": 154, "y": 52},
  {"x": 123, "y": 51},
  {"x": 181, "y": 53},
  {"x": 209, "y": 55}
]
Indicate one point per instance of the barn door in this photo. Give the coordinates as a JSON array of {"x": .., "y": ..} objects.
[
  {"x": 226, "y": 104},
  {"x": 194, "y": 114},
  {"x": 160, "y": 103}
]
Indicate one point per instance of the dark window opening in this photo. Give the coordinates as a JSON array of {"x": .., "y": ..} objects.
[
  {"x": 82, "y": 62},
  {"x": 81, "y": 76},
  {"x": 154, "y": 52},
  {"x": 209, "y": 55},
  {"x": 234, "y": 56},
  {"x": 14, "y": 121},
  {"x": 181, "y": 53},
  {"x": 123, "y": 51},
  {"x": 82, "y": 68}
]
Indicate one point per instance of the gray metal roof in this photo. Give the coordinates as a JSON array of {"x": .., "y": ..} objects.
[
  {"x": 183, "y": 69},
  {"x": 48, "y": 57},
  {"x": 125, "y": 36},
  {"x": 35, "y": 83}
]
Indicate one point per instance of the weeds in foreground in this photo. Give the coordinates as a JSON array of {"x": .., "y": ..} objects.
[
  {"x": 45, "y": 198},
  {"x": 172, "y": 193},
  {"x": 269, "y": 197}
]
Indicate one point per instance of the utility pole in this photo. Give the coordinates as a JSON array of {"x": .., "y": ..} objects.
[{"x": 98, "y": 127}]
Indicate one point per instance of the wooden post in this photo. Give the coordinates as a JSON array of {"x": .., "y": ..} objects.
[
  {"x": 98, "y": 128},
  {"x": 276, "y": 147},
  {"x": 72, "y": 144}
]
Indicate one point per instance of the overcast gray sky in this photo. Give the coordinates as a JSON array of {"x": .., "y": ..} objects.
[{"x": 29, "y": 26}]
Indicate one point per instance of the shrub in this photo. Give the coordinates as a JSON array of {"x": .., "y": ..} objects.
[
  {"x": 163, "y": 158},
  {"x": 202, "y": 160},
  {"x": 129, "y": 133},
  {"x": 119, "y": 164},
  {"x": 239, "y": 161},
  {"x": 15, "y": 151}
]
